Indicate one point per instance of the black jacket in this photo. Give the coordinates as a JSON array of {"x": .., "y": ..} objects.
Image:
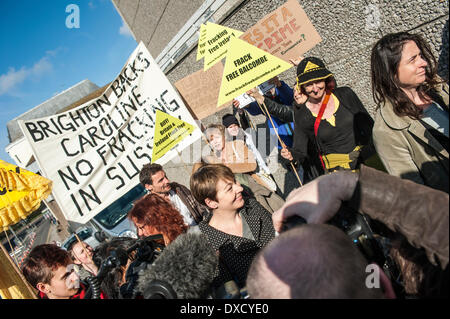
[
  {"x": 305, "y": 145},
  {"x": 196, "y": 209}
]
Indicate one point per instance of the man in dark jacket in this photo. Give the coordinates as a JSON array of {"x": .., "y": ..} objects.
[
  {"x": 154, "y": 179},
  {"x": 416, "y": 214}
]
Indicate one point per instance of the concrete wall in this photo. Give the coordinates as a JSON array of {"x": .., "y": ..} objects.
[
  {"x": 156, "y": 22},
  {"x": 348, "y": 29}
]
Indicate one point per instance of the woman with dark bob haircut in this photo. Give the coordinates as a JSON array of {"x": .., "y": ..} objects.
[
  {"x": 411, "y": 125},
  {"x": 153, "y": 215}
]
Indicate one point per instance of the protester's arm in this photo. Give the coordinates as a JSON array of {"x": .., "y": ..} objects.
[
  {"x": 417, "y": 212},
  {"x": 285, "y": 93},
  {"x": 280, "y": 111},
  {"x": 299, "y": 150}
]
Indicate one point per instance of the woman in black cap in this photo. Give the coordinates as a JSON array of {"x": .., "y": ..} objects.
[{"x": 332, "y": 127}]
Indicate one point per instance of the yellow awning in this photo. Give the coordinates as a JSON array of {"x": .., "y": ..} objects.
[{"x": 21, "y": 193}]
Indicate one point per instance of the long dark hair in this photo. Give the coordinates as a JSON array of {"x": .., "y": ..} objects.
[{"x": 385, "y": 59}]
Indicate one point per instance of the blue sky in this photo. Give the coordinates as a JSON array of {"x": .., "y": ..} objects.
[{"x": 40, "y": 56}]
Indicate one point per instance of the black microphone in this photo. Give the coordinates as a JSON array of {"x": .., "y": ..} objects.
[{"x": 184, "y": 270}]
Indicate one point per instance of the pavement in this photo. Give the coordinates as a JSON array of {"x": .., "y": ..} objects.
[
  {"x": 54, "y": 235},
  {"x": 38, "y": 237}
]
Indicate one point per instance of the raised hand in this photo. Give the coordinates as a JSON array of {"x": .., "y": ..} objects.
[{"x": 286, "y": 154}]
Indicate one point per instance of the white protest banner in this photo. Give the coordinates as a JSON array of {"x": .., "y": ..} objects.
[{"x": 93, "y": 153}]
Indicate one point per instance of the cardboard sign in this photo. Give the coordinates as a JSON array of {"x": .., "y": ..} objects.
[
  {"x": 286, "y": 32},
  {"x": 246, "y": 67},
  {"x": 94, "y": 153},
  {"x": 217, "y": 41},
  {"x": 201, "y": 42},
  {"x": 201, "y": 89},
  {"x": 169, "y": 131}
]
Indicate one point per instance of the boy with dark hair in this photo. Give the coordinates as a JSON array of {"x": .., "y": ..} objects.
[{"x": 49, "y": 269}]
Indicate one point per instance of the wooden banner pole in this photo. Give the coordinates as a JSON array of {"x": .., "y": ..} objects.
[{"x": 266, "y": 113}]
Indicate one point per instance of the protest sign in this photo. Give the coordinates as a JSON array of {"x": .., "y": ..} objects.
[
  {"x": 286, "y": 32},
  {"x": 94, "y": 153},
  {"x": 244, "y": 99},
  {"x": 201, "y": 42},
  {"x": 200, "y": 90},
  {"x": 169, "y": 131},
  {"x": 246, "y": 66},
  {"x": 217, "y": 41}
]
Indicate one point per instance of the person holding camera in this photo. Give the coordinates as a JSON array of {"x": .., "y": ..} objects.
[
  {"x": 415, "y": 214},
  {"x": 50, "y": 270},
  {"x": 315, "y": 262},
  {"x": 81, "y": 254}
]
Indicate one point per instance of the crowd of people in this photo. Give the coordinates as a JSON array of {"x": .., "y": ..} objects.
[{"x": 388, "y": 173}]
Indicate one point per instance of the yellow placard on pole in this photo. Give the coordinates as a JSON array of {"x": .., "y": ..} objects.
[
  {"x": 169, "y": 131},
  {"x": 201, "y": 42},
  {"x": 247, "y": 66},
  {"x": 217, "y": 41}
]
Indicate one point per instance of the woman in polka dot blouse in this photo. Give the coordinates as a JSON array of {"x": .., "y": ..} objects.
[{"x": 237, "y": 226}]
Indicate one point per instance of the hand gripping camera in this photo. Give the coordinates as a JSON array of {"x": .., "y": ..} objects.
[
  {"x": 146, "y": 250},
  {"x": 357, "y": 226}
]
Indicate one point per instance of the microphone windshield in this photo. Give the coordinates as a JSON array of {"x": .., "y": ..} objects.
[{"x": 188, "y": 264}]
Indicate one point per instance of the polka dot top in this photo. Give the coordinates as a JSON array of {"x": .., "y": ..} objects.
[{"x": 236, "y": 253}]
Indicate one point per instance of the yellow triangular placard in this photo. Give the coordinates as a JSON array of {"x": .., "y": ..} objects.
[
  {"x": 246, "y": 67},
  {"x": 310, "y": 66},
  {"x": 201, "y": 42},
  {"x": 169, "y": 131},
  {"x": 217, "y": 42}
]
